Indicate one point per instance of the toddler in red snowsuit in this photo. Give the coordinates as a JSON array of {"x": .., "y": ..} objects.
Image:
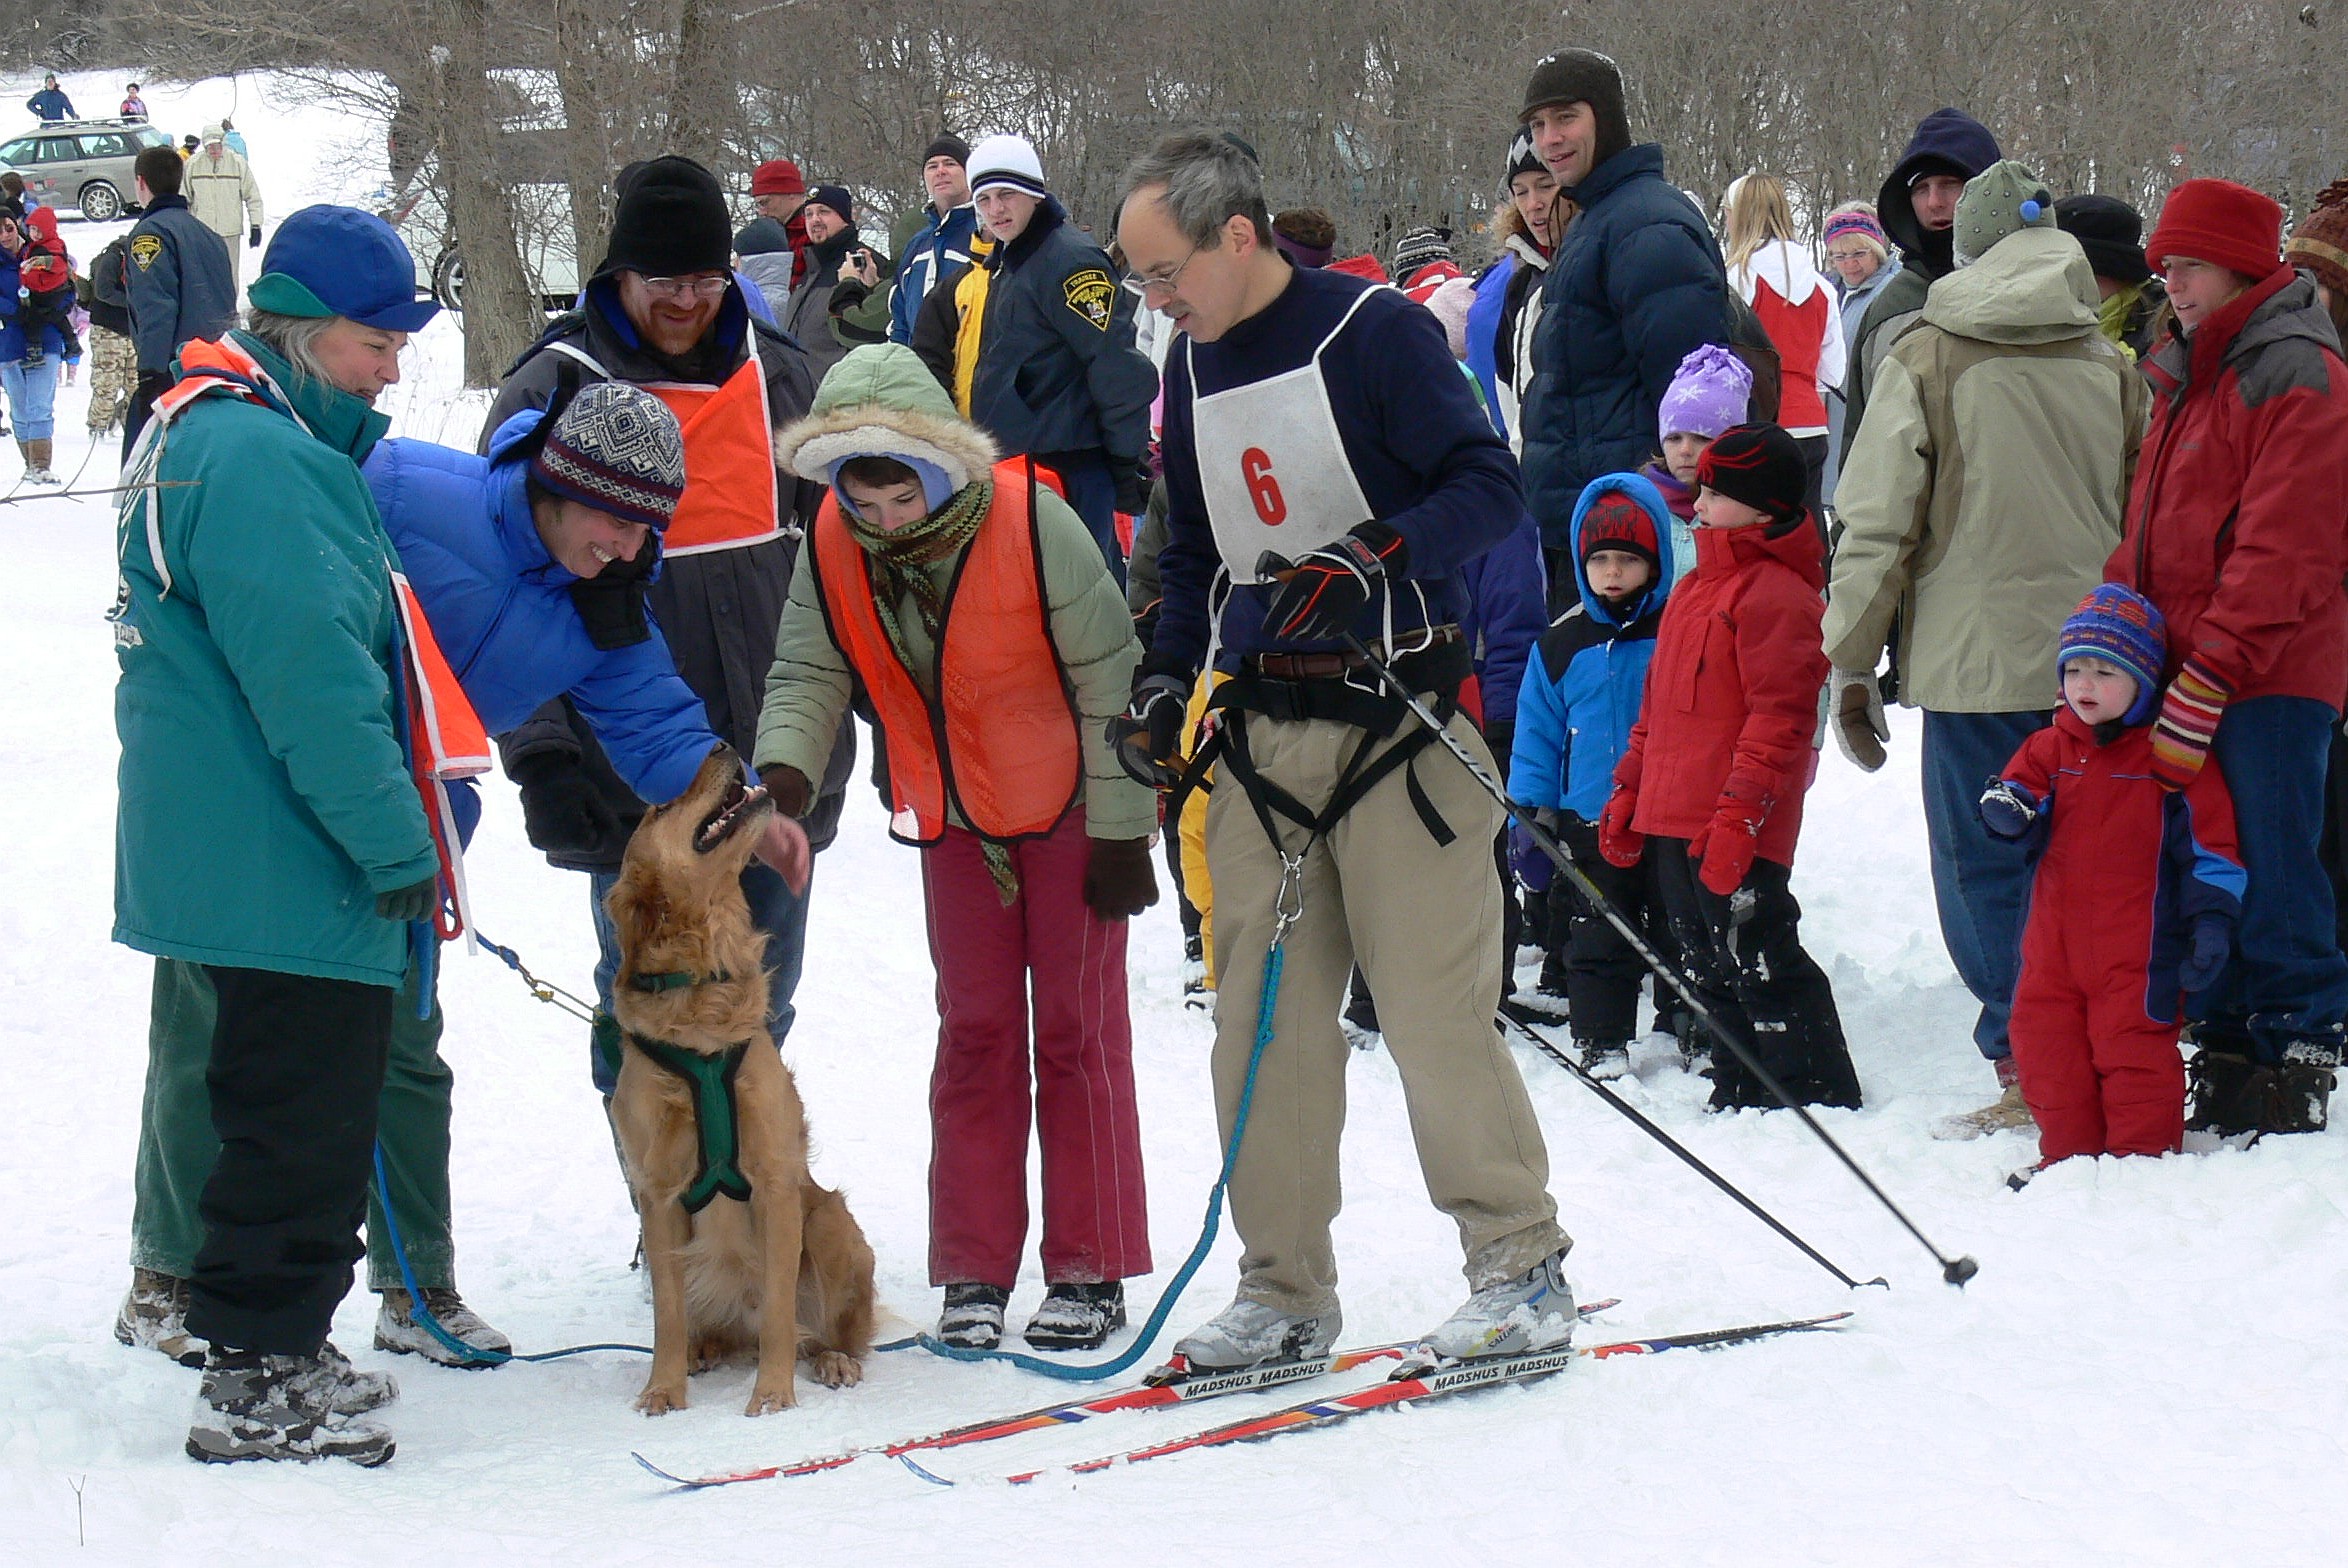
[{"x": 2136, "y": 895}]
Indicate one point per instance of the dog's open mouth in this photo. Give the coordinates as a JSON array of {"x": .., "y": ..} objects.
[{"x": 743, "y": 804}]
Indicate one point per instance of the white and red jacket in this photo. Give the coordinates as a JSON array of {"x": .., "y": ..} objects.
[{"x": 1798, "y": 311}]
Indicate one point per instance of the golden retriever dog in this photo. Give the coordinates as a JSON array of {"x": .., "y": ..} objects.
[{"x": 786, "y": 1272}]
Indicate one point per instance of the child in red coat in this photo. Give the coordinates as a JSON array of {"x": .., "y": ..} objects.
[
  {"x": 1711, "y": 786},
  {"x": 47, "y": 275},
  {"x": 2137, "y": 893}
]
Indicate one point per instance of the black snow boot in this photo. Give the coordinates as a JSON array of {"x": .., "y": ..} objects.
[
  {"x": 2299, "y": 1099},
  {"x": 973, "y": 1319},
  {"x": 2228, "y": 1092},
  {"x": 256, "y": 1406},
  {"x": 1077, "y": 1316}
]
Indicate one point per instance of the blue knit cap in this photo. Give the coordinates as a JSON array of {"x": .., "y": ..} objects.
[{"x": 2122, "y": 626}]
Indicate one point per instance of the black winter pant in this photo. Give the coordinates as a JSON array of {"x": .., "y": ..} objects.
[
  {"x": 297, "y": 1068},
  {"x": 1744, "y": 957},
  {"x": 1602, "y": 971}
]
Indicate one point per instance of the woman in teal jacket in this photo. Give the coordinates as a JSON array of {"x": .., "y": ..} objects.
[{"x": 269, "y": 828}]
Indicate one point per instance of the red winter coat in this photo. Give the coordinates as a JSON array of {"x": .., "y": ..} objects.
[
  {"x": 2238, "y": 526},
  {"x": 1732, "y": 694}
]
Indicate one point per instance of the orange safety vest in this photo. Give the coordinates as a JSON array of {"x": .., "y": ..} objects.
[
  {"x": 1000, "y": 743},
  {"x": 730, "y": 493}
]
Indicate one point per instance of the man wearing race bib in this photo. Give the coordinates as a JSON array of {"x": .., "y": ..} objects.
[{"x": 1319, "y": 420}]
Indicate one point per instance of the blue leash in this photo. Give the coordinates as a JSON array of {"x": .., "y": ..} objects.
[{"x": 1275, "y": 958}]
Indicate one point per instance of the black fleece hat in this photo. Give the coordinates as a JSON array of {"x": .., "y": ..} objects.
[
  {"x": 1759, "y": 465},
  {"x": 1582, "y": 76},
  {"x": 948, "y": 145},
  {"x": 2110, "y": 231},
  {"x": 671, "y": 220}
]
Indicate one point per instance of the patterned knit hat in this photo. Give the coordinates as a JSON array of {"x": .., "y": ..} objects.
[
  {"x": 1855, "y": 221},
  {"x": 616, "y": 448},
  {"x": 1006, "y": 160},
  {"x": 2320, "y": 243},
  {"x": 2002, "y": 200},
  {"x": 1614, "y": 521},
  {"x": 2123, "y": 626},
  {"x": 1760, "y": 466},
  {"x": 1420, "y": 248},
  {"x": 1708, "y": 393}
]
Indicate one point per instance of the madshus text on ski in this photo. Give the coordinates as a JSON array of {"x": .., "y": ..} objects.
[{"x": 1423, "y": 608}]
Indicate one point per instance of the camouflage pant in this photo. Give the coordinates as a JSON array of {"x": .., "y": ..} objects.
[{"x": 114, "y": 375}]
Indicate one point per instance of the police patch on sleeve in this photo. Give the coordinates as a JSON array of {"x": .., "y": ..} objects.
[
  {"x": 1091, "y": 293},
  {"x": 145, "y": 249}
]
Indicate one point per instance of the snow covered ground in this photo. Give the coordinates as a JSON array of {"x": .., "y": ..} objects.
[{"x": 2149, "y": 1369}]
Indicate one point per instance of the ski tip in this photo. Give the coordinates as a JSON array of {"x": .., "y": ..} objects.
[
  {"x": 684, "y": 1482},
  {"x": 929, "y": 1475}
]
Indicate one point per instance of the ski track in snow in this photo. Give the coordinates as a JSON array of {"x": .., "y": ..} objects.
[{"x": 2148, "y": 1369}]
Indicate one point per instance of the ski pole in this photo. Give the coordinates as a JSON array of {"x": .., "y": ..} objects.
[
  {"x": 1639, "y": 1120},
  {"x": 1954, "y": 1270}
]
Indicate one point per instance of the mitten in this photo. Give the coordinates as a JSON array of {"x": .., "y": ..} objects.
[
  {"x": 2212, "y": 943},
  {"x": 1855, "y": 713},
  {"x": 562, "y": 810},
  {"x": 1322, "y": 593},
  {"x": 2188, "y": 722},
  {"x": 1726, "y": 845},
  {"x": 2007, "y": 810}
]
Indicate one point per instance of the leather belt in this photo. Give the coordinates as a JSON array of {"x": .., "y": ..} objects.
[{"x": 1331, "y": 665}]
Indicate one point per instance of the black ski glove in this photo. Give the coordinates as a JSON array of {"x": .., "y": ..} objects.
[
  {"x": 562, "y": 810},
  {"x": 1147, "y": 736},
  {"x": 253, "y": 240},
  {"x": 416, "y": 901},
  {"x": 1133, "y": 486},
  {"x": 1322, "y": 593}
]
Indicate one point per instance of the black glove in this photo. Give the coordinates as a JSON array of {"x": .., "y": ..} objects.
[
  {"x": 416, "y": 901},
  {"x": 562, "y": 810},
  {"x": 1322, "y": 593},
  {"x": 1147, "y": 736},
  {"x": 152, "y": 385},
  {"x": 253, "y": 240},
  {"x": 1119, "y": 881},
  {"x": 1133, "y": 486}
]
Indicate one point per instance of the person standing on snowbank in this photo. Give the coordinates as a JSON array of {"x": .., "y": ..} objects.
[
  {"x": 257, "y": 630},
  {"x": 2238, "y": 530},
  {"x": 1978, "y": 501},
  {"x": 970, "y": 601},
  {"x": 1314, "y": 414},
  {"x": 2133, "y": 901}
]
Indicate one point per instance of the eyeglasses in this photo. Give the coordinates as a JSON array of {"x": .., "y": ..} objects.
[
  {"x": 1139, "y": 286},
  {"x": 681, "y": 289},
  {"x": 1847, "y": 255}
]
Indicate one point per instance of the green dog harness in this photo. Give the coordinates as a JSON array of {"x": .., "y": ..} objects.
[{"x": 712, "y": 1081}]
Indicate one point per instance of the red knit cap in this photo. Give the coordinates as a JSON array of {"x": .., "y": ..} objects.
[
  {"x": 778, "y": 177},
  {"x": 1616, "y": 522},
  {"x": 2224, "y": 224},
  {"x": 2320, "y": 243}
]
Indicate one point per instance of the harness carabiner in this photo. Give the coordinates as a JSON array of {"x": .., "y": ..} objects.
[{"x": 1288, "y": 903}]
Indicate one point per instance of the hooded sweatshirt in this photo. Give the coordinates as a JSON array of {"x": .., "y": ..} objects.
[
  {"x": 1581, "y": 693},
  {"x": 893, "y": 406},
  {"x": 1798, "y": 311},
  {"x": 1981, "y": 497}
]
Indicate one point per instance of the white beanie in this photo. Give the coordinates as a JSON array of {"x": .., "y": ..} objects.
[{"x": 1006, "y": 160}]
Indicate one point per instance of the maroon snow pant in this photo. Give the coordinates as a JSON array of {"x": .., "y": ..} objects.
[{"x": 990, "y": 960}]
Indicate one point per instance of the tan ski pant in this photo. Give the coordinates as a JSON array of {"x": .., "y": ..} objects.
[{"x": 1424, "y": 920}]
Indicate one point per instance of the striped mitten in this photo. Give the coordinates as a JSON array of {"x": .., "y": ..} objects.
[{"x": 2188, "y": 721}]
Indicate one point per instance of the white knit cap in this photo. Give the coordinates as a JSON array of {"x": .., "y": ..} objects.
[{"x": 1006, "y": 160}]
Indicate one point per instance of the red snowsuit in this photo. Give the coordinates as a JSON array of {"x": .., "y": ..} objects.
[
  {"x": 1732, "y": 695},
  {"x": 2126, "y": 873}
]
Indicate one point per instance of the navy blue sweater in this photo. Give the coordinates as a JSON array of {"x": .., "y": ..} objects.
[{"x": 1427, "y": 460}]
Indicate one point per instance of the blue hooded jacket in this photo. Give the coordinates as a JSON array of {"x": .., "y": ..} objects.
[
  {"x": 1507, "y": 609},
  {"x": 501, "y": 609},
  {"x": 1581, "y": 691},
  {"x": 1638, "y": 282},
  {"x": 1483, "y": 331}
]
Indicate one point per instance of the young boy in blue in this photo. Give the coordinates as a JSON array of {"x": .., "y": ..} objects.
[{"x": 1574, "y": 714}]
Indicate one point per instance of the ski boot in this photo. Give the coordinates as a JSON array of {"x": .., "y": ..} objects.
[
  {"x": 1532, "y": 1311},
  {"x": 1249, "y": 1334}
]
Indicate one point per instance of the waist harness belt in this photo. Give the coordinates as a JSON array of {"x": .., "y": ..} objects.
[{"x": 712, "y": 1080}]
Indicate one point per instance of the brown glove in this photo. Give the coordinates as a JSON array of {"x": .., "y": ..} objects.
[
  {"x": 788, "y": 787},
  {"x": 1119, "y": 881}
]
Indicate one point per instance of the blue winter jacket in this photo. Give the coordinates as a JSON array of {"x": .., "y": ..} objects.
[
  {"x": 1638, "y": 282},
  {"x": 940, "y": 246},
  {"x": 12, "y": 338},
  {"x": 1483, "y": 333},
  {"x": 1507, "y": 610},
  {"x": 1581, "y": 691},
  {"x": 501, "y": 610}
]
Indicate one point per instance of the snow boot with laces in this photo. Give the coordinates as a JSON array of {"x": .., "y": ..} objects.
[
  {"x": 1250, "y": 1334},
  {"x": 257, "y": 1406},
  {"x": 154, "y": 1316},
  {"x": 400, "y": 1330},
  {"x": 1077, "y": 1316},
  {"x": 973, "y": 1318},
  {"x": 350, "y": 1391},
  {"x": 1532, "y": 1311},
  {"x": 1605, "y": 1058}
]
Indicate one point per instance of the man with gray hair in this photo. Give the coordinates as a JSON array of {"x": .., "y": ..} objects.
[{"x": 1312, "y": 414}]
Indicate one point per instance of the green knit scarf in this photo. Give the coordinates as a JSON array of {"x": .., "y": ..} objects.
[{"x": 900, "y": 557}]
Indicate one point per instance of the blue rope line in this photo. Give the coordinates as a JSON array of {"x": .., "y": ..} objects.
[{"x": 1275, "y": 958}]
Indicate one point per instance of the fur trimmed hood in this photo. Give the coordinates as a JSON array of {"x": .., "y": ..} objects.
[{"x": 881, "y": 401}]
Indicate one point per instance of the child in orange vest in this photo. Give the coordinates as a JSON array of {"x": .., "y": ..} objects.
[{"x": 972, "y": 604}]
